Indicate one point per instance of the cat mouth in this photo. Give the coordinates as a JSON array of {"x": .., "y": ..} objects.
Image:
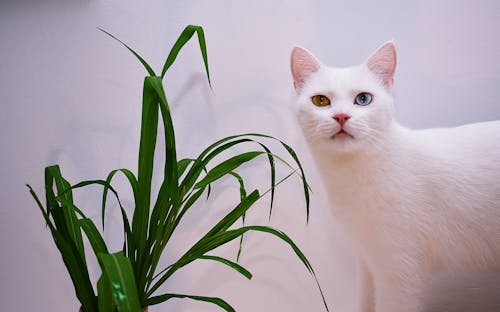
[{"x": 342, "y": 134}]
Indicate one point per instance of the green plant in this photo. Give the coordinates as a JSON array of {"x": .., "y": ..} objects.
[{"x": 130, "y": 277}]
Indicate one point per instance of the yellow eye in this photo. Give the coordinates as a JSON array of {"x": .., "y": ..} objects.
[{"x": 320, "y": 100}]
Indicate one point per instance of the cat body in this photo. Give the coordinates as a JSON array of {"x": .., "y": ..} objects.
[{"x": 414, "y": 202}]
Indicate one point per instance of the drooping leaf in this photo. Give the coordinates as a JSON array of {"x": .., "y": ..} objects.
[
  {"x": 204, "y": 158},
  {"x": 146, "y": 65},
  {"x": 226, "y": 143},
  {"x": 285, "y": 238},
  {"x": 205, "y": 244},
  {"x": 132, "y": 181},
  {"x": 243, "y": 194},
  {"x": 183, "y": 164},
  {"x": 186, "y": 34},
  {"x": 129, "y": 236},
  {"x": 71, "y": 258},
  {"x": 71, "y": 220},
  {"x": 48, "y": 222},
  {"x": 305, "y": 185},
  {"x": 230, "y": 264},
  {"x": 226, "y": 167}
]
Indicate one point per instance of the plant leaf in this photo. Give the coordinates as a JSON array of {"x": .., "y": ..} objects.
[
  {"x": 189, "y": 202},
  {"x": 281, "y": 235},
  {"x": 146, "y": 65},
  {"x": 133, "y": 183},
  {"x": 186, "y": 34},
  {"x": 118, "y": 270},
  {"x": 204, "y": 158},
  {"x": 304, "y": 181},
  {"x": 270, "y": 157},
  {"x": 105, "y": 295},
  {"x": 226, "y": 167},
  {"x": 170, "y": 170},
  {"x": 69, "y": 243},
  {"x": 169, "y": 197},
  {"x": 149, "y": 130},
  {"x": 230, "y": 264},
  {"x": 70, "y": 219},
  {"x": 183, "y": 164},
  {"x": 93, "y": 235},
  {"x": 204, "y": 244},
  {"x": 235, "y": 214},
  {"x": 78, "y": 272},
  {"x": 217, "y": 301},
  {"x": 129, "y": 236},
  {"x": 243, "y": 194},
  {"x": 48, "y": 222}
]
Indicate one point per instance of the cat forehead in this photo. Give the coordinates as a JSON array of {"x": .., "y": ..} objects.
[{"x": 337, "y": 79}]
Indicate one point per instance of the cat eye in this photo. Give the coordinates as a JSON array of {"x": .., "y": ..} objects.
[
  {"x": 320, "y": 100},
  {"x": 363, "y": 99}
]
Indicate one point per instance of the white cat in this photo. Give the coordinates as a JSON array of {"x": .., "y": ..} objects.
[{"x": 415, "y": 202}]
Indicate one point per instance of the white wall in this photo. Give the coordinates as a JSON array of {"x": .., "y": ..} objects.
[{"x": 71, "y": 95}]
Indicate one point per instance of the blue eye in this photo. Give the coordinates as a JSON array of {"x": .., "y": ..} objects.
[{"x": 363, "y": 99}]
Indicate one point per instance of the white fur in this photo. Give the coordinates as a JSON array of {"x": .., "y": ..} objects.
[{"x": 414, "y": 202}]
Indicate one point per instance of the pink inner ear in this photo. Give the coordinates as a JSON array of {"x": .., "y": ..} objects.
[
  {"x": 383, "y": 63},
  {"x": 303, "y": 64}
]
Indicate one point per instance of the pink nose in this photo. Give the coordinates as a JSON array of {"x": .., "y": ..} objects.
[{"x": 341, "y": 118}]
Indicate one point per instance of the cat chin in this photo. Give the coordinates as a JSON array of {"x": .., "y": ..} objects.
[{"x": 340, "y": 144}]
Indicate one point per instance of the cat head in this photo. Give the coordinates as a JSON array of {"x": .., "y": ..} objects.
[{"x": 344, "y": 109}]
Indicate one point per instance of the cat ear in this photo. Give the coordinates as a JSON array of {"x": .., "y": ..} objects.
[
  {"x": 383, "y": 63},
  {"x": 303, "y": 64}
]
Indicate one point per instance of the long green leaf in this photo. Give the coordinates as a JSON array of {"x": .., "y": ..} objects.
[
  {"x": 78, "y": 272},
  {"x": 118, "y": 270},
  {"x": 235, "y": 214},
  {"x": 71, "y": 220},
  {"x": 281, "y": 235},
  {"x": 272, "y": 167},
  {"x": 224, "y": 144},
  {"x": 186, "y": 34},
  {"x": 183, "y": 164},
  {"x": 132, "y": 181},
  {"x": 189, "y": 202},
  {"x": 93, "y": 235},
  {"x": 199, "y": 248},
  {"x": 129, "y": 235},
  {"x": 217, "y": 301},
  {"x": 225, "y": 237},
  {"x": 71, "y": 259},
  {"x": 243, "y": 194},
  {"x": 230, "y": 264},
  {"x": 149, "y": 130},
  {"x": 48, "y": 222},
  {"x": 226, "y": 167},
  {"x": 168, "y": 199},
  {"x": 204, "y": 158},
  {"x": 105, "y": 295},
  {"x": 146, "y": 65},
  {"x": 305, "y": 185},
  {"x": 170, "y": 168}
]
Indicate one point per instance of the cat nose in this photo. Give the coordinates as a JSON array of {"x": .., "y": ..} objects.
[{"x": 341, "y": 118}]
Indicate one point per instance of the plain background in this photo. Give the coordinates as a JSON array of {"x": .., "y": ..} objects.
[{"x": 71, "y": 95}]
